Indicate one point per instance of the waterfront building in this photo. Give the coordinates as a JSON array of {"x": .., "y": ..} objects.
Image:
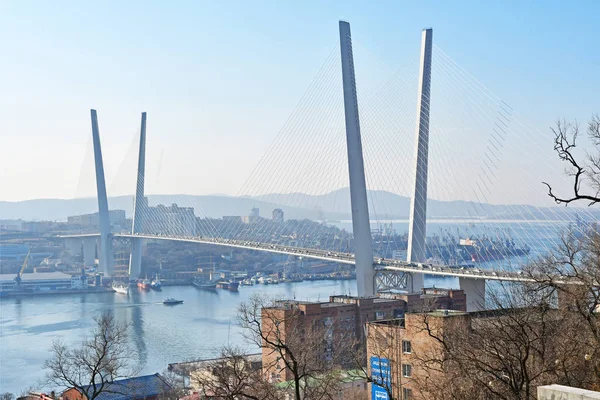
[
  {"x": 278, "y": 215},
  {"x": 42, "y": 282},
  {"x": 16, "y": 252}
]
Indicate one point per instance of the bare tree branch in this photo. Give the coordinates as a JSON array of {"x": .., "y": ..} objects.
[
  {"x": 101, "y": 359},
  {"x": 565, "y": 137}
]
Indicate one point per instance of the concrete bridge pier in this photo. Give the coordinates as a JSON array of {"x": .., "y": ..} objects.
[
  {"x": 89, "y": 251},
  {"x": 416, "y": 282},
  {"x": 475, "y": 291},
  {"x": 73, "y": 246}
]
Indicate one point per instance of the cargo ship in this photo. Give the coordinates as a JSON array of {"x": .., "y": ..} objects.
[{"x": 478, "y": 250}]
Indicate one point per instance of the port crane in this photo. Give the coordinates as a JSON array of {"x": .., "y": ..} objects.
[{"x": 18, "y": 278}]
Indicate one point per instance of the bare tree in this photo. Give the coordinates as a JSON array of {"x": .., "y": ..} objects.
[
  {"x": 586, "y": 171},
  {"x": 175, "y": 388},
  {"x": 504, "y": 353},
  {"x": 7, "y": 396},
  {"x": 572, "y": 274},
  {"x": 302, "y": 350},
  {"x": 232, "y": 376},
  {"x": 101, "y": 359}
]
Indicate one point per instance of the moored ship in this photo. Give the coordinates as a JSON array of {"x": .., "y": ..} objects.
[
  {"x": 478, "y": 250},
  {"x": 211, "y": 285},
  {"x": 229, "y": 285},
  {"x": 155, "y": 284},
  {"x": 120, "y": 288},
  {"x": 144, "y": 284}
]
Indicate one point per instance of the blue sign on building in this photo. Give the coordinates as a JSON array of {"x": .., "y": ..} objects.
[{"x": 381, "y": 375}]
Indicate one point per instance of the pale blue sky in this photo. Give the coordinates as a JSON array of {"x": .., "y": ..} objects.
[{"x": 221, "y": 77}]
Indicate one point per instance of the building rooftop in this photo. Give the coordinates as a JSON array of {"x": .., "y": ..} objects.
[
  {"x": 446, "y": 313},
  {"x": 399, "y": 322},
  {"x": 183, "y": 368},
  {"x": 36, "y": 276},
  {"x": 140, "y": 387}
]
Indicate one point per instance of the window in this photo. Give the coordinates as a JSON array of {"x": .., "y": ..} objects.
[
  {"x": 379, "y": 315},
  {"x": 406, "y": 394},
  {"x": 406, "y": 347},
  {"x": 406, "y": 370}
]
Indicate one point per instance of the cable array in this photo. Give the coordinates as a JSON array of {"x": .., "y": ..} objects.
[{"x": 484, "y": 165}]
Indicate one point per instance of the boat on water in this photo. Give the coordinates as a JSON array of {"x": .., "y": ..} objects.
[
  {"x": 171, "y": 301},
  {"x": 144, "y": 284},
  {"x": 264, "y": 280},
  {"x": 204, "y": 285},
  {"x": 247, "y": 282},
  {"x": 155, "y": 284},
  {"x": 229, "y": 285},
  {"x": 120, "y": 288}
]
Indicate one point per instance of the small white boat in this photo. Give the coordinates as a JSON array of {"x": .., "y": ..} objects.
[
  {"x": 120, "y": 288},
  {"x": 171, "y": 301}
]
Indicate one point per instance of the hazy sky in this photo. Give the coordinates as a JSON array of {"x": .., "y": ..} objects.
[{"x": 219, "y": 79}]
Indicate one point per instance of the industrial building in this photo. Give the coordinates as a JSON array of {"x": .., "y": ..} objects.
[{"x": 42, "y": 282}]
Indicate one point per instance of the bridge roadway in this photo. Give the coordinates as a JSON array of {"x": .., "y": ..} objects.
[{"x": 327, "y": 255}]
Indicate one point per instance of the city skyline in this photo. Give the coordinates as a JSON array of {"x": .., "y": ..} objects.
[{"x": 103, "y": 71}]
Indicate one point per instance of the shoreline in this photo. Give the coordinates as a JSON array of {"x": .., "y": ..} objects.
[{"x": 12, "y": 295}]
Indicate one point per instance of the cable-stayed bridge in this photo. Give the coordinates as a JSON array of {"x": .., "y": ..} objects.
[{"x": 309, "y": 158}]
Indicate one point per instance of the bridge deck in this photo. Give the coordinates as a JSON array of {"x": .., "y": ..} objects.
[{"x": 338, "y": 257}]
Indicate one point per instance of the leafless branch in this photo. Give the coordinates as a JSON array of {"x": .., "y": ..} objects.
[{"x": 565, "y": 137}]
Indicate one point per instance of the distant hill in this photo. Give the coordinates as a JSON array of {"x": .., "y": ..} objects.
[
  {"x": 386, "y": 205},
  {"x": 331, "y": 206}
]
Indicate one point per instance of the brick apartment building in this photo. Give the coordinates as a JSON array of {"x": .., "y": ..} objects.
[
  {"x": 342, "y": 318},
  {"x": 392, "y": 346}
]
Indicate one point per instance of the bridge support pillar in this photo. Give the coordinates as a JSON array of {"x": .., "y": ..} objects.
[
  {"x": 105, "y": 254},
  {"x": 140, "y": 205},
  {"x": 417, "y": 282},
  {"x": 363, "y": 242},
  {"x": 89, "y": 251},
  {"x": 416, "y": 251},
  {"x": 475, "y": 291},
  {"x": 73, "y": 246}
]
